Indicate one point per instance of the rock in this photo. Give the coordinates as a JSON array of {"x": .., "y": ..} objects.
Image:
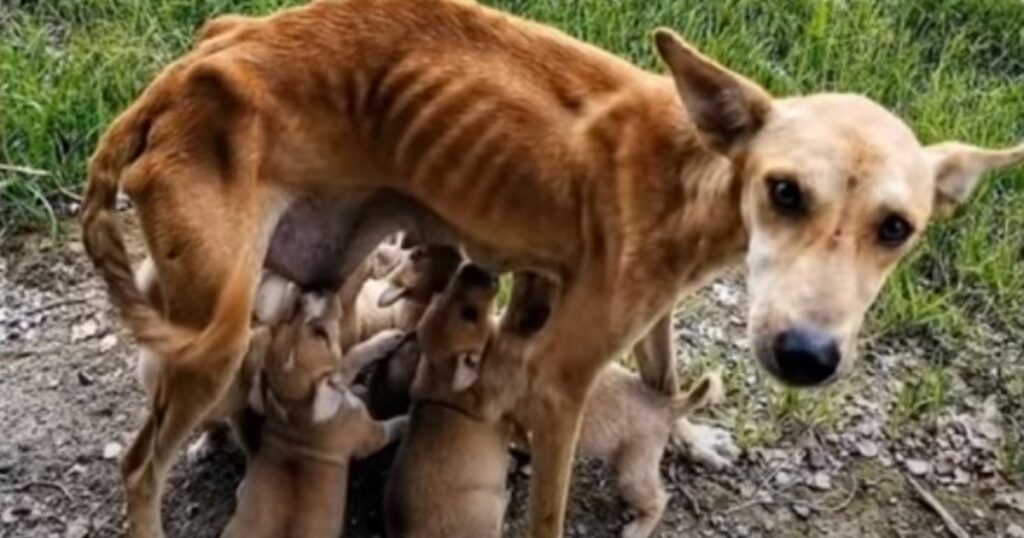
[
  {"x": 108, "y": 342},
  {"x": 78, "y": 528},
  {"x": 821, "y": 481},
  {"x": 867, "y": 448},
  {"x": 961, "y": 477},
  {"x": 84, "y": 379},
  {"x": 1012, "y": 501},
  {"x": 86, "y": 329},
  {"x": 917, "y": 467},
  {"x": 741, "y": 531},
  {"x": 802, "y": 511},
  {"x": 112, "y": 450},
  {"x": 14, "y": 514},
  {"x": 1014, "y": 531},
  {"x": 784, "y": 479}
]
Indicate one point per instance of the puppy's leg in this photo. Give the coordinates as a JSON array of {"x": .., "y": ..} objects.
[
  {"x": 708, "y": 445},
  {"x": 639, "y": 481},
  {"x": 655, "y": 357}
]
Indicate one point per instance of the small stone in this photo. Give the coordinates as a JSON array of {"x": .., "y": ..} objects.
[
  {"x": 867, "y": 449},
  {"x": 1013, "y": 501},
  {"x": 112, "y": 450},
  {"x": 821, "y": 482},
  {"x": 15, "y": 513},
  {"x": 783, "y": 479},
  {"x": 802, "y": 511},
  {"x": 1014, "y": 531},
  {"x": 84, "y": 330},
  {"x": 78, "y": 528},
  {"x": 741, "y": 531},
  {"x": 108, "y": 342},
  {"x": 917, "y": 467},
  {"x": 961, "y": 477},
  {"x": 84, "y": 379}
]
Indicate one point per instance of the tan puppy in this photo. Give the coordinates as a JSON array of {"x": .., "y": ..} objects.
[
  {"x": 296, "y": 483},
  {"x": 299, "y": 140},
  {"x": 449, "y": 478}
]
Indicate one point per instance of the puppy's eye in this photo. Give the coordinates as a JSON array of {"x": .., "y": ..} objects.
[
  {"x": 894, "y": 231},
  {"x": 786, "y": 196},
  {"x": 470, "y": 314}
]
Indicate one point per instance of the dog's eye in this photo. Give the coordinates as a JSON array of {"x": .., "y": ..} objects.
[
  {"x": 786, "y": 196},
  {"x": 894, "y": 231},
  {"x": 470, "y": 314}
]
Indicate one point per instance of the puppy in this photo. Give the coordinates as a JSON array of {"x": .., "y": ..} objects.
[
  {"x": 399, "y": 301},
  {"x": 449, "y": 478},
  {"x": 295, "y": 484},
  {"x": 627, "y": 424}
]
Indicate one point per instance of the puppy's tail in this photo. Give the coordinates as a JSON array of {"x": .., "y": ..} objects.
[
  {"x": 707, "y": 391},
  {"x": 228, "y": 328}
]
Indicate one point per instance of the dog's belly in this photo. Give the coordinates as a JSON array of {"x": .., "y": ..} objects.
[{"x": 323, "y": 237}]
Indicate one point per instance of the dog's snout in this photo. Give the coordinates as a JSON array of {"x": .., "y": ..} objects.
[{"x": 806, "y": 356}]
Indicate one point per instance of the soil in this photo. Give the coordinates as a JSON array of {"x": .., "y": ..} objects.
[{"x": 68, "y": 393}]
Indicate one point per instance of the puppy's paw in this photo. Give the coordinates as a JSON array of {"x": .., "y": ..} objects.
[{"x": 707, "y": 445}]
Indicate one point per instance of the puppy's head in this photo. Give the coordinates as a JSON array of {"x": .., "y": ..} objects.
[
  {"x": 301, "y": 377},
  {"x": 421, "y": 272},
  {"x": 455, "y": 329},
  {"x": 835, "y": 191}
]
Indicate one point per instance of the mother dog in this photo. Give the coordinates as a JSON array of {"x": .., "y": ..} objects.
[{"x": 299, "y": 140}]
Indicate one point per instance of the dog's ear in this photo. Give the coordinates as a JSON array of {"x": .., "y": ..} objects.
[
  {"x": 726, "y": 108},
  {"x": 256, "y": 395},
  {"x": 330, "y": 398},
  {"x": 958, "y": 167},
  {"x": 391, "y": 295},
  {"x": 467, "y": 370}
]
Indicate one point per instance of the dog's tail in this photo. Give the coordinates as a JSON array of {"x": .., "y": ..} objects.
[
  {"x": 229, "y": 325},
  {"x": 707, "y": 391}
]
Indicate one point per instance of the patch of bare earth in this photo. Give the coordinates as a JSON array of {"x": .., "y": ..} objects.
[{"x": 831, "y": 463}]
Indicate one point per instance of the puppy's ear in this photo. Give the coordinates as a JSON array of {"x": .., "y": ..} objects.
[
  {"x": 256, "y": 395},
  {"x": 467, "y": 370},
  {"x": 391, "y": 295},
  {"x": 330, "y": 398},
  {"x": 958, "y": 167},
  {"x": 726, "y": 108}
]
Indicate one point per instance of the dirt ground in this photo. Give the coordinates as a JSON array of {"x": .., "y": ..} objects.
[{"x": 69, "y": 402}]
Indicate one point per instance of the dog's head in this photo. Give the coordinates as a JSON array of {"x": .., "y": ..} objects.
[
  {"x": 302, "y": 364},
  {"x": 454, "y": 331},
  {"x": 421, "y": 272},
  {"x": 836, "y": 190}
]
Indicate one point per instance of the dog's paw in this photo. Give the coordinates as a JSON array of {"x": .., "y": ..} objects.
[
  {"x": 200, "y": 449},
  {"x": 707, "y": 445}
]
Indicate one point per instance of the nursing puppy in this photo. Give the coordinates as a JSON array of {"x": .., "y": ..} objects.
[
  {"x": 398, "y": 301},
  {"x": 296, "y": 483},
  {"x": 449, "y": 479}
]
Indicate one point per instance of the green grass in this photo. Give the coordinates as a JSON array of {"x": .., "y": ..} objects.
[{"x": 953, "y": 68}]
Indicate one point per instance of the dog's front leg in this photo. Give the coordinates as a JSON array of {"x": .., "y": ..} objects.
[{"x": 556, "y": 400}]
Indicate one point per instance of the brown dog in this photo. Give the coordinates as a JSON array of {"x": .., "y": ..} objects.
[
  {"x": 295, "y": 484},
  {"x": 297, "y": 141},
  {"x": 449, "y": 478}
]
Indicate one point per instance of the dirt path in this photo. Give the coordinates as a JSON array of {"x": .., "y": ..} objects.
[{"x": 815, "y": 465}]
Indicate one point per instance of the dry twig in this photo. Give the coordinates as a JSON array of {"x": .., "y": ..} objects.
[{"x": 954, "y": 528}]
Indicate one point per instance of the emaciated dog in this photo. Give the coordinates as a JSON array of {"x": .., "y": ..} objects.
[{"x": 297, "y": 141}]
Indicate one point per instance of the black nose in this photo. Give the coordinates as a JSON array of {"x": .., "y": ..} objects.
[{"x": 806, "y": 356}]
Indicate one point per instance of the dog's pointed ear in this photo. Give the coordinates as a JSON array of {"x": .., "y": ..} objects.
[
  {"x": 467, "y": 370},
  {"x": 958, "y": 167},
  {"x": 391, "y": 295},
  {"x": 256, "y": 395},
  {"x": 726, "y": 108},
  {"x": 331, "y": 396}
]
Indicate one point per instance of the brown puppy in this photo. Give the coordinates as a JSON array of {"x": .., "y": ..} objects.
[
  {"x": 297, "y": 141},
  {"x": 449, "y": 478},
  {"x": 295, "y": 485}
]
